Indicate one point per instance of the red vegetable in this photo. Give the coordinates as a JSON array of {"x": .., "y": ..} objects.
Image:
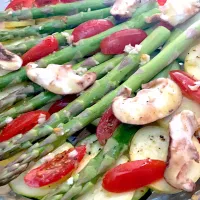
[
  {"x": 44, "y": 48},
  {"x": 41, "y": 3},
  {"x": 19, "y": 4},
  {"x": 184, "y": 81},
  {"x": 161, "y": 2},
  {"x": 165, "y": 24},
  {"x": 133, "y": 175},
  {"x": 60, "y": 166},
  {"x": 107, "y": 126},
  {"x": 60, "y": 104},
  {"x": 116, "y": 42},
  {"x": 91, "y": 28},
  {"x": 22, "y": 124}
]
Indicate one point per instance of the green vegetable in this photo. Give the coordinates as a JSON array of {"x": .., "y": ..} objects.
[
  {"x": 55, "y": 25},
  {"x": 129, "y": 64},
  {"x": 84, "y": 48},
  {"x": 54, "y": 10}
]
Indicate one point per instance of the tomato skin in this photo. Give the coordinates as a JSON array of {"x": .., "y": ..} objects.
[
  {"x": 60, "y": 104},
  {"x": 133, "y": 175},
  {"x": 54, "y": 170},
  {"x": 161, "y": 2},
  {"x": 91, "y": 28},
  {"x": 41, "y": 3},
  {"x": 19, "y": 4},
  {"x": 116, "y": 42},
  {"x": 22, "y": 124},
  {"x": 107, "y": 126},
  {"x": 184, "y": 81},
  {"x": 44, "y": 48}
]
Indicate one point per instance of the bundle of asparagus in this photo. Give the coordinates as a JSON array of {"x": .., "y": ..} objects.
[{"x": 34, "y": 134}]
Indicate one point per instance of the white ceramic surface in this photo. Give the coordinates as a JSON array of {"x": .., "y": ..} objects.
[{"x": 3, "y": 4}]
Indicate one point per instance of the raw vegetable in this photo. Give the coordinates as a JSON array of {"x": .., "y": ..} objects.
[
  {"x": 20, "y": 4},
  {"x": 23, "y": 123},
  {"x": 55, "y": 169},
  {"x": 133, "y": 175},
  {"x": 91, "y": 28},
  {"x": 107, "y": 126},
  {"x": 116, "y": 42},
  {"x": 44, "y": 48}
]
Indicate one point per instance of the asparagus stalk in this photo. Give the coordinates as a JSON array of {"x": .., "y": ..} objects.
[
  {"x": 24, "y": 46},
  {"x": 48, "y": 97},
  {"x": 55, "y": 25},
  {"x": 55, "y": 10},
  {"x": 128, "y": 64},
  {"x": 101, "y": 163},
  {"x": 17, "y": 93},
  {"x": 84, "y": 48}
]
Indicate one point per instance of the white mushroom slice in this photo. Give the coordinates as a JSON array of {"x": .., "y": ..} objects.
[
  {"x": 177, "y": 12},
  {"x": 125, "y": 8},
  {"x": 158, "y": 99},
  {"x": 182, "y": 151},
  {"x": 60, "y": 79},
  {"x": 8, "y": 60}
]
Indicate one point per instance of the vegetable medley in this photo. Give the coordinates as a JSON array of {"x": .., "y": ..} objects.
[{"x": 100, "y": 99}]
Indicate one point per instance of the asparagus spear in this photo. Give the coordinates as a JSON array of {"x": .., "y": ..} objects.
[
  {"x": 87, "y": 116},
  {"x": 21, "y": 92},
  {"x": 48, "y": 97},
  {"x": 84, "y": 48},
  {"x": 54, "y": 10},
  {"x": 55, "y": 25},
  {"x": 24, "y": 46},
  {"x": 101, "y": 163}
]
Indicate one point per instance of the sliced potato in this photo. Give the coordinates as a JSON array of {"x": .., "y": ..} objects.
[
  {"x": 19, "y": 24},
  {"x": 186, "y": 104},
  {"x": 192, "y": 61},
  {"x": 152, "y": 142},
  {"x": 98, "y": 193}
]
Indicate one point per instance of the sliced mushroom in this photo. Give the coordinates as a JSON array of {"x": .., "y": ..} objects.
[
  {"x": 8, "y": 60},
  {"x": 60, "y": 79},
  {"x": 125, "y": 8},
  {"x": 182, "y": 151},
  {"x": 176, "y": 12},
  {"x": 158, "y": 99}
]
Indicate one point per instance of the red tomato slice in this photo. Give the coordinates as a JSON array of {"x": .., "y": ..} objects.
[
  {"x": 91, "y": 28},
  {"x": 60, "y": 104},
  {"x": 22, "y": 124},
  {"x": 41, "y": 3},
  {"x": 44, "y": 48},
  {"x": 107, "y": 126},
  {"x": 161, "y": 2},
  {"x": 116, "y": 42},
  {"x": 19, "y": 4},
  {"x": 133, "y": 175},
  {"x": 62, "y": 165},
  {"x": 184, "y": 81}
]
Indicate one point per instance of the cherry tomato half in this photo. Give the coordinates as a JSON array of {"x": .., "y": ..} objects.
[
  {"x": 133, "y": 175},
  {"x": 19, "y": 4},
  {"x": 91, "y": 28},
  {"x": 44, "y": 48},
  {"x": 22, "y": 124},
  {"x": 52, "y": 171},
  {"x": 116, "y": 42},
  {"x": 185, "y": 81},
  {"x": 60, "y": 104},
  {"x": 107, "y": 126},
  {"x": 161, "y": 2}
]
